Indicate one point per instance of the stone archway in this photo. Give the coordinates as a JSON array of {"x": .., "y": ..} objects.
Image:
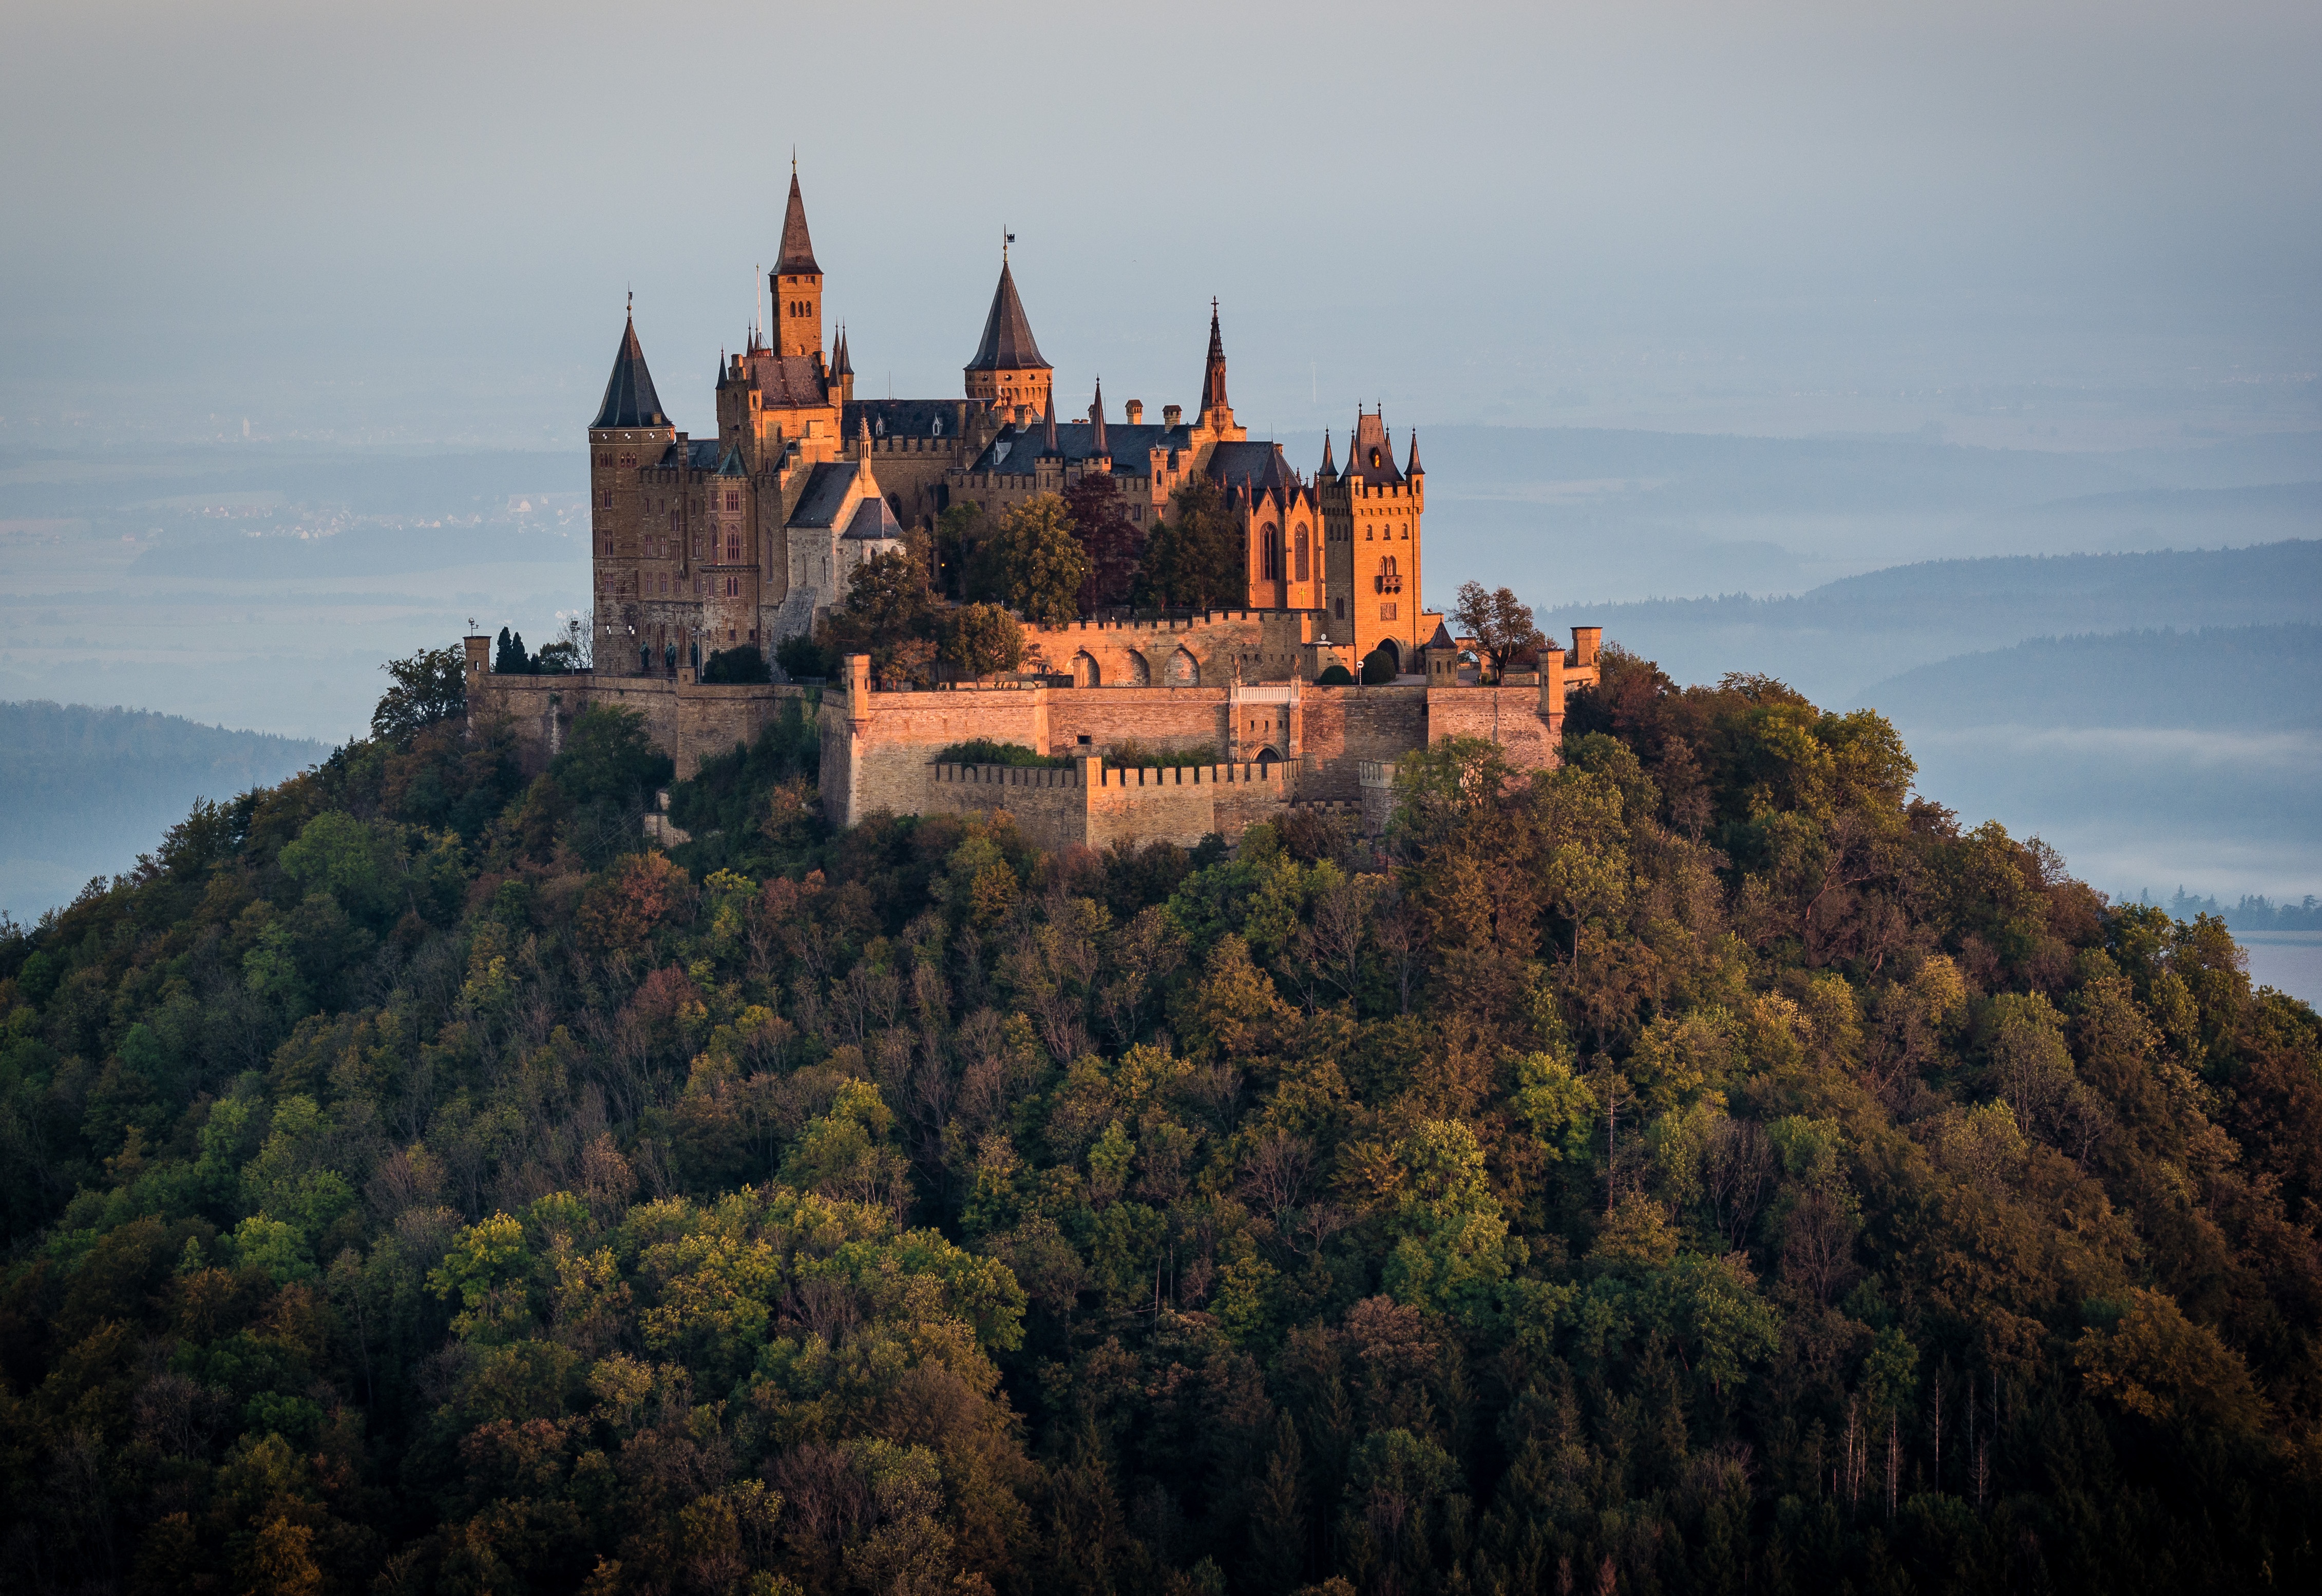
[
  {"x": 1267, "y": 756},
  {"x": 1184, "y": 670},
  {"x": 1140, "y": 673},
  {"x": 1085, "y": 670}
]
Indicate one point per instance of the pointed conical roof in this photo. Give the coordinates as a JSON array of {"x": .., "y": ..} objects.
[
  {"x": 840, "y": 364},
  {"x": 1213, "y": 372},
  {"x": 629, "y": 396},
  {"x": 1330, "y": 466},
  {"x": 1102, "y": 444},
  {"x": 1414, "y": 469},
  {"x": 1049, "y": 428},
  {"x": 798, "y": 248},
  {"x": 732, "y": 466},
  {"x": 1007, "y": 343},
  {"x": 1442, "y": 639}
]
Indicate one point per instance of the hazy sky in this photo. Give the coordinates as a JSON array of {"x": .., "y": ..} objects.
[{"x": 416, "y": 223}]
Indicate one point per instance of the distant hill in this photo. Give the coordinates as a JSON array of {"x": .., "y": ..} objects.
[
  {"x": 1835, "y": 641},
  {"x": 84, "y": 791},
  {"x": 2249, "y": 676}
]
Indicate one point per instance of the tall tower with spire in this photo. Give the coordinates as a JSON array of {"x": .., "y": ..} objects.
[
  {"x": 1216, "y": 414},
  {"x": 630, "y": 432},
  {"x": 1007, "y": 371},
  {"x": 797, "y": 282}
]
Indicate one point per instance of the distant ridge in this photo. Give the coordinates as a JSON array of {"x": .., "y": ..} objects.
[{"x": 1834, "y": 641}]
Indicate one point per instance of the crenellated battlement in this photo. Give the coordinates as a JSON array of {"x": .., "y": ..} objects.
[{"x": 1135, "y": 778}]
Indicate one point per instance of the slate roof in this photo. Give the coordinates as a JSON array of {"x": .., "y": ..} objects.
[
  {"x": 901, "y": 418},
  {"x": 825, "y": 495},
  {"x": 788, "y": 382},
  {"x": 798, "y": 248},
  {"x": 629, "y": 396},
  {"x": 872, "y": 521},
  {"x": 1007, "y": 343},
  {"x": 1370, "y": 440},
  {"x": 841, "y": 365},
  {"x": 1077, "y": 441},
  {"x": 699, "y": 454},
  {"x": 1255, "y": 465},
  {"x": 1442, "y": 638},
  {"x": 731, "y": 465}
]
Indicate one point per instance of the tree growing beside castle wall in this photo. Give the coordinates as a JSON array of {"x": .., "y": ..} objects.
[
  {"x": 961, "y": 532},
  {"x": 508, "y": 656},
  {"x": 888, "y": 615},
  {"x": 1033, "y": 563},
  {"x": 979, "y": 640},
  {"x": 430, "y": 686},
  {"x": 1112, "y": 541},
  {"x": 1500, "y": 623},
  {"x": 1196, "y": 560}
]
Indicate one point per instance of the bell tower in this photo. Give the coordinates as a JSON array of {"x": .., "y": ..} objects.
[{"x": 797, "y": 283}]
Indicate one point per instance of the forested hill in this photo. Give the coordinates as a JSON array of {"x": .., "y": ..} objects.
[
  {"x": 84, "y": 791},
  {"x": 1702, "y": 1168}
]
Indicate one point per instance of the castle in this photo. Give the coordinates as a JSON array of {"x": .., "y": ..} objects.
[{"x": 700, "y": 545}]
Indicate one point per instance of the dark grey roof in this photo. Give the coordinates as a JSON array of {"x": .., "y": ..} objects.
[
  {"x": 1370, "y": 454},
  {"x": 787, "y": 382},
  {"x": 901, "y": 418},
  {"x": 1007, "y": 343},
  {"x": 1077, "y": 440},
  {"x": 731, "y": 465},
  {"x": 629, "y": 396},
  {"x": 826, "y": 493},
  {"x": 1442, "y": 638},
  {"x": 1255, "y": 465},
  {"x": 798, "y": 248},
  {"x": 872, "y": 519},
  {"x": 700, "y": 454},
  {"x": 841, "y": 365}
]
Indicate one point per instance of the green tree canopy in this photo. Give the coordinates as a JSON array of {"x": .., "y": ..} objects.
[
  {"x": 1032, "y": 563},
  {"x": 1197, "y": 558}
]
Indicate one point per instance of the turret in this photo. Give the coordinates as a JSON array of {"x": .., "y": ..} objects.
[
  {"x": 842, "y": 369},
  {"x": 1216, "y": 413},
  {"x": 1007, "y": 370},
  {"x": 1327, "y": 472},
  {"x": 797, "y": 283},
  {"x": 1414, "y": 469},
  {"x": 1100, "y": 444}
]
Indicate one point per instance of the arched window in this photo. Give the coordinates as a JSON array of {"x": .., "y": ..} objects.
[
  {"x": 1302, "y": 553},
  {"x": 1270, "y": 542}
]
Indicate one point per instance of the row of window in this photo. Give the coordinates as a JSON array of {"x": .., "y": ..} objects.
[{"x": 1272, "y": 562}]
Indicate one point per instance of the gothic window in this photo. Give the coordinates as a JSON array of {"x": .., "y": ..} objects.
[
  {"x": 733, "y": 545},
  {"x": 1406, "y": 532},
  {"x": 1366, "y": 535},
  {"x": 733, "y": 501},
  {"x": 1302, "y": 553}
]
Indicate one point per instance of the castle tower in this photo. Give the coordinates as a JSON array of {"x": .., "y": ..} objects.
[
  {"x": 630, "y": 432},
  {"x": 1008, "y": 371},
  {"x": 1372, "y": 517},
  {"x": 797, "y": 283},
  {"x": 1215, "y": 413}
]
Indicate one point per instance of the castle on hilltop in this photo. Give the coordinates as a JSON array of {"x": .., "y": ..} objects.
[
  {"x": 704, "y": 544},
  {"x": 708, "y": 543}
]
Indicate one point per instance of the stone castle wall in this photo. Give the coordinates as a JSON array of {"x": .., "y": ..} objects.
[
  {"x": 1086, "y": 806},
  {"x": 1306, "y": 744}
]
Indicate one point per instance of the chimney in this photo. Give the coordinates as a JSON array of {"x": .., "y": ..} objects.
[
  {"x": 1171, "y": 414},
  {"x": 1136, "y": 412}
]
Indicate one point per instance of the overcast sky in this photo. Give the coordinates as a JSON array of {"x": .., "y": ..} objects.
[{"x": 416, "y": 223}]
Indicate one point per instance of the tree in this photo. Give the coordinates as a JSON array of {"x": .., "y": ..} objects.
[
  {"x": 509, "y": 657},
  {"x": 802, "y": 659},
  {"x": 1033, "y": 564},
  {"x": 430, "y": 686},
  {"x": 888, "y": 616},
  {"x": 743, "y": 664},
  {"x": 961, "y": 532},
  {"x": 979, "y": 640},
  {"x": 609, "y": 754},
  {"x": 1099, "y": 519},
  {"x": 1501, "y": 625},
  {"x": 1197, "y": 558}
]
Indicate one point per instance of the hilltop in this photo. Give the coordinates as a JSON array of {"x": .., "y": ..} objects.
[{"x": 1700, "y": 1166}]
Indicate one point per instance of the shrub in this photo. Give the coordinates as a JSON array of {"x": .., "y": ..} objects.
[
  {"x": 802, "y": 659},
  {"x": 983, "y": 751},
  {"x": 1379, "y": 666},
  {"x": 1335, "y": 676},
  {"x": 745, "y": 664}
]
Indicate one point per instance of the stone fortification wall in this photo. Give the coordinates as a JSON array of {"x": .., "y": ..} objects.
[
  {"x": 1199, "y": 650},
  {"x": 1085, "y": 804},
  {"x": 689, "y": 720},
  {"x": 1345, "y": 725},
  {"x": 1508, "y": 716}
]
